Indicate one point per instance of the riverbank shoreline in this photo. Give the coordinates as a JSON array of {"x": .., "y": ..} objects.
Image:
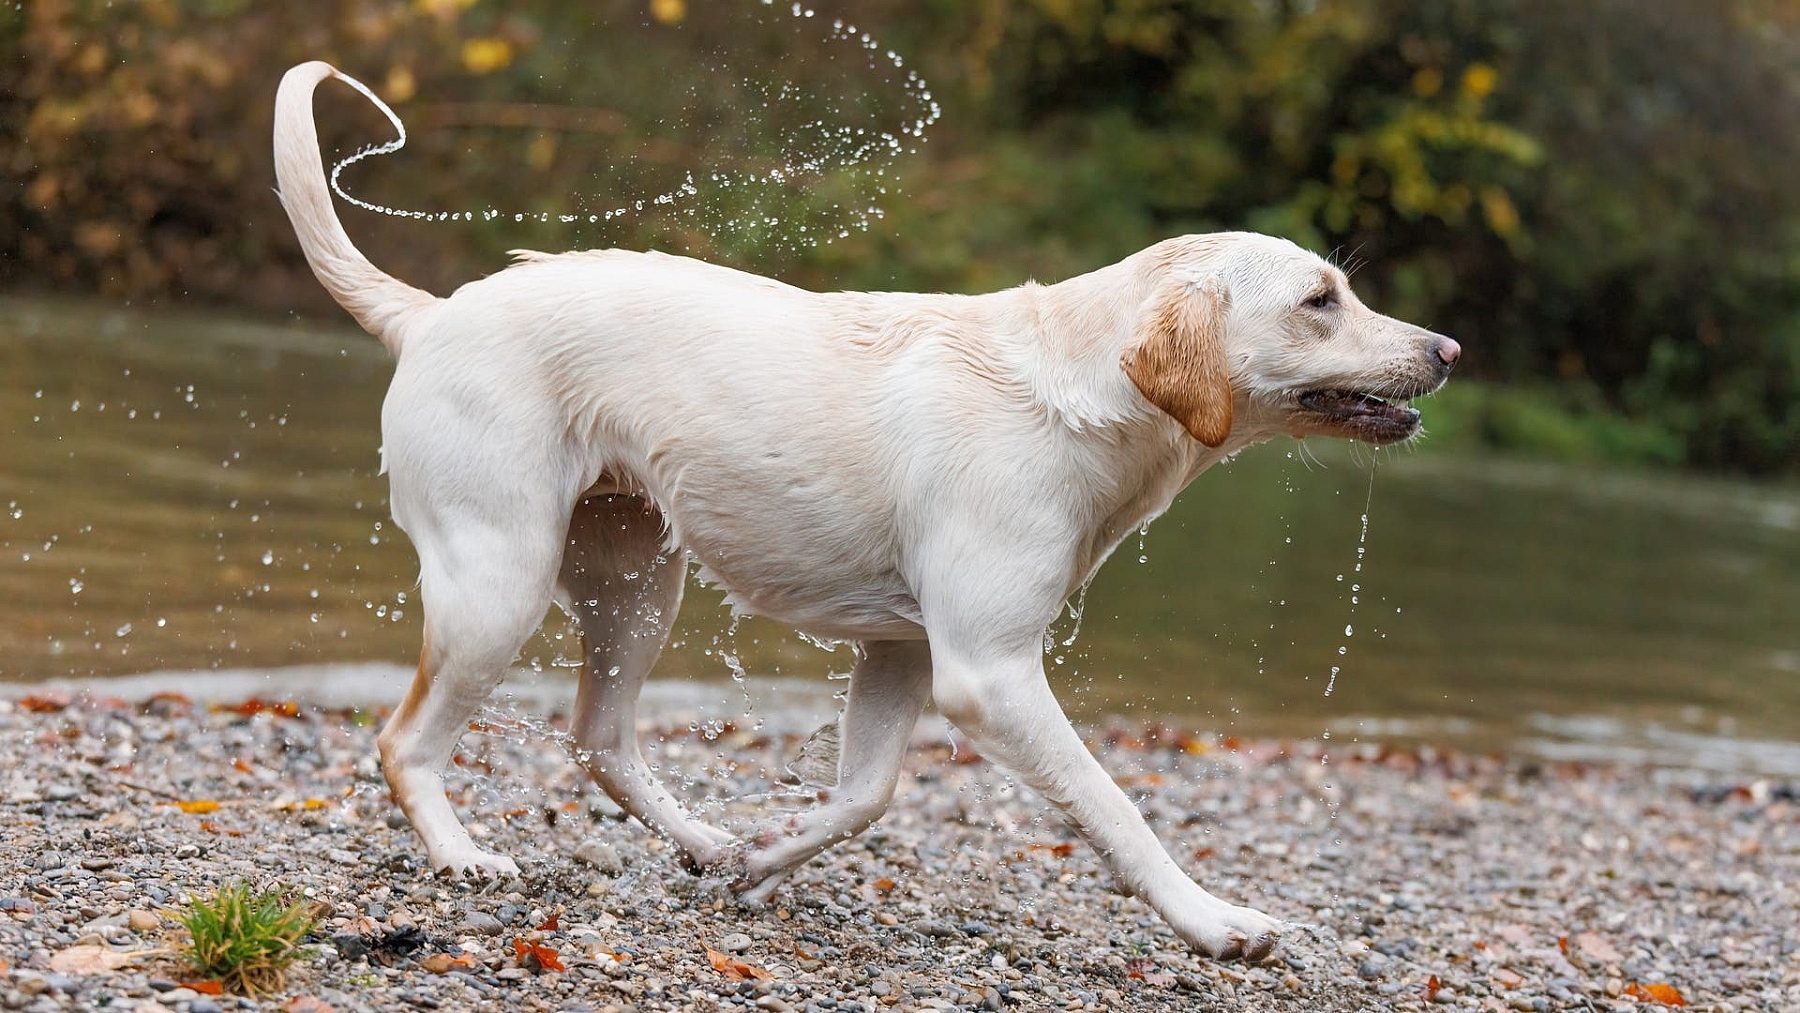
[{"x": 1417, "y": 877}]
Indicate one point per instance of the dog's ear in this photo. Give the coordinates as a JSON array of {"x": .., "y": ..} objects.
[{"x": 1179, "y": 361}]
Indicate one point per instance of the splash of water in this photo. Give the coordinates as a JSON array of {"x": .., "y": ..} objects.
[
  {"x": 1362, "y": 549},
  {"x": 813, "y": 149}
]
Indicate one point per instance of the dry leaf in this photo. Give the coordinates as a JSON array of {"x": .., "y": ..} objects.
[
  {"x": 1063, "y": 850},
  {"x": 883, "y": 886},
  {"x": 544, "y": 957},
  {"x": 1659, "y": 992},
  {"x": 256, "y": 705},
  {"x": 444, "y": 963},
  {"x": 551, "y": 924},
  {"x": 208, "y": 987},
  {"x": 1597, "y": 948},
  {"x": 89, "y": 959},
  {"x": 45, "y": 703},
  {"x": 734, "y": 969},
  {"x": 199, "y": 805},
  {"x": 1506, "y": 978},
  {"x": 1431, "y": 988}
]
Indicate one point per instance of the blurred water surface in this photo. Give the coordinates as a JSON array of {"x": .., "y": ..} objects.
[{"x": 191, "y": 493}]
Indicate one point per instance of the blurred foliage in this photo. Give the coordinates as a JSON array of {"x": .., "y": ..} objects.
[{"x": 1595, "y": 198}]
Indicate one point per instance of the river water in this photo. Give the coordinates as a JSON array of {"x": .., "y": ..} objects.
[{"x": 187, "y": 493}]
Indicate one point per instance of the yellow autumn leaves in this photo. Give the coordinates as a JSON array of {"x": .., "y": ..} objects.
[{"x": 489, "y": 53}]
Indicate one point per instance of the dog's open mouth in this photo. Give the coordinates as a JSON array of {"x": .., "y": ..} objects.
[{"x": 1363, "y": 415}]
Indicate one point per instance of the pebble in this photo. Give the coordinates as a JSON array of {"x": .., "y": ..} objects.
[
  {"x": 601, "y": 856},
  {"x": 480, "y": 923},
  {"x": 736, "y": 942}
]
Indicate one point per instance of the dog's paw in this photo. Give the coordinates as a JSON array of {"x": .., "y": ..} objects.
[
  {"x": 476, "y": 864},
  {"x": 1229, "y": 932}
]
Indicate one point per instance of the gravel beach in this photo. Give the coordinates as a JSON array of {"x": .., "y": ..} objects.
[{"x": 1417, "y": 878}]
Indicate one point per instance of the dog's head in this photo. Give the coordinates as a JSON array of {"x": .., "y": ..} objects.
[{"x": 1242, "y": 324}]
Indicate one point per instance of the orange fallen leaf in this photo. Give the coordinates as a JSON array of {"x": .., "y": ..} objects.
[
  {"x": 527, "y": 952},
  {"x": 734, "y": 969},
  {"x": 45, "y": 703},
  {"x": 257, "y": 705},
  {"x": 883, "y": 886},
  {"x": 1562, "y": 943},
  {"x": 1432, "y": 985},
  {"x": 1597, "y": 948},
  {"x": 444, "y": 963},
  {"x": 208, "y": 987},
  {"x": 89, "y": 959},
  {"x": 1668, "y": 995},
  {"x": 1138, "y": 967},
  {"x": 1062, "y": 850},
  {"x": 199, "y": 805},
  {"x": 1506, "y": 978},
  {"x": 551, "y": 924}
]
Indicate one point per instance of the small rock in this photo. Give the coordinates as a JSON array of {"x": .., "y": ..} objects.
[
  {"x": 31, "y": 983},
  {"x": 480, "y": 923},
  {"x": 934, "y": 927},
  {"x": 143, "y": 921},
  {"x": 736, "y": 942},
  {"x": 600, "y": 855}
]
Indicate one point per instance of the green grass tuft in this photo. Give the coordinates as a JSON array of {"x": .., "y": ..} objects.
[{"x": 244, "y": 938}]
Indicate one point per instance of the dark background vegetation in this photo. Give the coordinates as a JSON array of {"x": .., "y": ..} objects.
[{"x": 1596, "y": 198}]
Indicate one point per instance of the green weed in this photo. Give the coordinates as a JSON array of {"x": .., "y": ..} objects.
[{"x": 245, "y": 938}]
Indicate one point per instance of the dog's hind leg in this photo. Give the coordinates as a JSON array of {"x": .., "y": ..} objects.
[
  {"x": 625, "y": 589},
  {"x": 485, "y": 585},
  {"x": 888, "y": 689}
]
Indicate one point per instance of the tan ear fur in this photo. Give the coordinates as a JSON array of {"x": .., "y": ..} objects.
[{"x": 1180, "y": 364}]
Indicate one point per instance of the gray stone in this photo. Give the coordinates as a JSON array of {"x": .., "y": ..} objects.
[
  {"x": 480, "y": 923},
  {"x": 600, "y": 855}
]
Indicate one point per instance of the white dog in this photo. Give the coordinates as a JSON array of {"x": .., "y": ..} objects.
[{"x": 927, "y": 476}]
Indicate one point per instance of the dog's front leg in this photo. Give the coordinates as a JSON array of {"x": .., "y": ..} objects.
[{"x": 998, "y": 696}]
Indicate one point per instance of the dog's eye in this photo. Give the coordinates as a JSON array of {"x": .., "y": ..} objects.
[{"x": 1323, "y": 301}]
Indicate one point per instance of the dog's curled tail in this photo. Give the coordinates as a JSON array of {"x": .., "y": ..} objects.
[{"x": 381, "y": 303}]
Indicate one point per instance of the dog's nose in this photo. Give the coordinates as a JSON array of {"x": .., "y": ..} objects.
[{"x": 1448, "y": 351}]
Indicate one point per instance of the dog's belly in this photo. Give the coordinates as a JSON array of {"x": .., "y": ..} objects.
[{"x": 820, "y": 590}]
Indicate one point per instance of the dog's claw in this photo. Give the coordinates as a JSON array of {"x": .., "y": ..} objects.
[
  {"x": 1258, "y": 949},
  {"x": 481, "y": 868}
]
